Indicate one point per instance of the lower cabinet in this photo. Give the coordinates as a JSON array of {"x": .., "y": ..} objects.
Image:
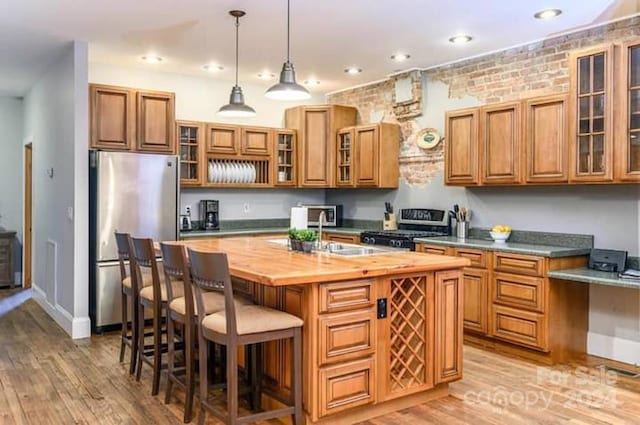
[
  {"x": 519, "y": 326},
  {"x": 340, "y": 237},
  {"x": 475, "y": 312},
  {"x": 347, "y": 385},
  {"x": 448, "y": 323}
]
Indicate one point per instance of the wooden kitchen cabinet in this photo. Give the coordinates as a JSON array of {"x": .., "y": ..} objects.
[
  {"x": 500, "y": 143},
  {"x": 317, "y": 128},
  {"x": 285, "y": 157},
  {"x": 256, "y": 140},
  {"x": 475, "y": 309},
  {"x": 112, "y": 117},
  {"x": 627, "y": 127},
  {"x": 345, "y": 175},
  {"x": 376, "y": 149},
  {"x": 190, "y": 136},
  {"x": 155, "y": 121},
  {"x": 340, "y": 237},
  {"x": 461, "y": 147},
  {"x": 591, "y": 114},
  {"x": 546, "y": 158},
  {"x": 7, "y": 257},
  {"x": 448, "y": 327},
  {"x": 223, "y": 139}
]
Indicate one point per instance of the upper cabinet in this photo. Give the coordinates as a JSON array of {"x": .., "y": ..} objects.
[
  {"x": 500, "y": 134},
  {"x": 286, "y": 161},
  {"x": 367, "y": 156},
  {"x": 591, "y": 117},
  {"x": 317, "y": 128},
  {"x": 461, "y": 147},
  {"x": 128, "y": 119},
  {"x": 546, "y": 158},
  {"x": 256, "y": 141},
  {"x": 627, "y": 161},
  {"x": 190, "y": 137},
  {"x": 223, "y": 139}
]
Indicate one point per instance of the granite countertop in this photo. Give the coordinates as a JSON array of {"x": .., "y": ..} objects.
[
  {"x": 260, "y": 231},
  {"x": 514, "y": 247},
  {"x": 595, "y": 277}
]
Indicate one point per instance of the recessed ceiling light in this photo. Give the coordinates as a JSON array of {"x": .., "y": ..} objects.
[
  {"x": 311, "y": 82},
  {"x": 212, "y": 67},
  {"x": 547, "y": 14},
  {"x": 266, "y": 75},
  {"x": 460, "y": 39},
  {"x": 400, "y": 57},
  {"x": 353, "y": 70},
  {"x": 153, "y": 59}
]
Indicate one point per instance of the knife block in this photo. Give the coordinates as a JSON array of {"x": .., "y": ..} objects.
[{"x": 390, "y": 223}]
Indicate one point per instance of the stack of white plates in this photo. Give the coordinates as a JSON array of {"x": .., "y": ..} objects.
[{"x": 231, "y": 172}]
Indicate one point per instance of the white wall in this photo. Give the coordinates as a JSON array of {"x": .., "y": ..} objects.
[
  {"x": 198, "y": 99},
  {"x": 56, "y": 122},
  {"x": 11, "y": 172}
]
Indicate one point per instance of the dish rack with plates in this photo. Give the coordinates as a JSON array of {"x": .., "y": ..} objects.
[{"x": 237, "y": 172}]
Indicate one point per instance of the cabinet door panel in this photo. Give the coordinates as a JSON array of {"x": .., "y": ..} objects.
[
  {"x": 627, "y": 132},
  {"x": 545, "y": 139},
  {"x": 461, "y": 148},
  {"x": 346, "y": 386},
  {"x": 519, "y": 291},
  {"x": 112, "y": 117},
  {"x": 256, "y": 141},
  {"x": 476, "y": 300},
  {"x": 449, "y": 324},
  {"x": 518, "y": 326},
  {"x": 315, "y": 156},
  {"x": 222, "y": 139},
  {"x": 500, "y": 143},
  {"x": 345, "y": 336},
  {"x": 156, "y": 119},
  {"x": 367, "y": 158}
]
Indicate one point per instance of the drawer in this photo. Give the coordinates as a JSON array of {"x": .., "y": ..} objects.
[
  {"x": 519, "y": 327},
  {"x": 335, "y": 237},
  {"x": 343, "y": 296},
  {"x": 518, "y": 264},
  {"x": 346, "y": 386},
  {"x": 433, "y": 249},
  {"x": 242, "y": 287},
  {"x": 477, "y": 257},
  {"x": 346, "y": 336},
  {"x": 519, "y": 291}
]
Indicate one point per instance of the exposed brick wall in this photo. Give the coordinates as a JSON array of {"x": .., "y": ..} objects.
[{"x": 535, "y": 69}]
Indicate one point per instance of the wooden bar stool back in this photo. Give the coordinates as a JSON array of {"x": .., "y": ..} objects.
[
  {"x": 129, "y": 291},
  {"x": 241, "y": 325}
]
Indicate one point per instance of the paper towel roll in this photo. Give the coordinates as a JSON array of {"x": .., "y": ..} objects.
[{"x": 299, "y": 218}]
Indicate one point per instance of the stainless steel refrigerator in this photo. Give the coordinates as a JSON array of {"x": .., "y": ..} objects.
[{"x": 132, "y": 193}]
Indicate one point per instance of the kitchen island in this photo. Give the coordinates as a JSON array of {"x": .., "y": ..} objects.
[{"x": 382, "y": 332}]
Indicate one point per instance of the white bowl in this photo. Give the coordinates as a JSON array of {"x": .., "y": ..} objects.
[{"x": 500, "y": 237}]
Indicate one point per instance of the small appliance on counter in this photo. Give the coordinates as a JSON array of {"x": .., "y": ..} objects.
[
  {"x": 608, "y": 260},
  {"x": 390, "y": 222},
  {"x": 185, "y": 221},
  {"x": 209, "y": 215},
  {"x": 332, "y": 214},
  {"x": 412, "y": 223}
]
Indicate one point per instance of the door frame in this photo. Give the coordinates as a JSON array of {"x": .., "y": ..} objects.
[{"x": 27, "y": 236}]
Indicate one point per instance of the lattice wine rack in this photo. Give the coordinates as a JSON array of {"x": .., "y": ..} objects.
[{"x": 408, "y": 349}]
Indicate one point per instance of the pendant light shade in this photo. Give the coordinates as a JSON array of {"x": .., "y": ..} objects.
[
  {"x": 236, "y": 108},
  {"x": 287, "y": 88}
]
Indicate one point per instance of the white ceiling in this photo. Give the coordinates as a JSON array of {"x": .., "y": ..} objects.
[{"x": 327, "y": 35}]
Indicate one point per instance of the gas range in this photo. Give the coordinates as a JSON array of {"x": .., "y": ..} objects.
[{"x": 412, "y": 223}]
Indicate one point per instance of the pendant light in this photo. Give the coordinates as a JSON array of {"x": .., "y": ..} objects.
[
  {"x": 287, "y": 88},
  {"x": 236, "y": 107}
]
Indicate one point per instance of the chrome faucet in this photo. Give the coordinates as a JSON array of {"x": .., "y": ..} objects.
[{"x": 321, "y": 219}]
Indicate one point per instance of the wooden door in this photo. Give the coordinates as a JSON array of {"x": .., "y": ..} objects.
[
  {"x": 190, "y": 136},
  {"x": 627, "y": 131},
  {"x": 546, "y": 146},
  {"x": 256, "y": 141},
  {"x": 345, "y": 157},
  {"x": 448, "y": 326},
  {"x": 367, "y": 155},
  {"x": 112, "y": 117},
  {"x": 223, "y": 139},
  {"x": 500, "y": 145},
  {"x": 476, "y": 300},
  {"x": 155, "y": 121},
  {"x": 28, "y": 219},
  {"x": 461, "y": 147},
  {"x": 315, "y": 157},
  {"x": 591, "y": 114}
]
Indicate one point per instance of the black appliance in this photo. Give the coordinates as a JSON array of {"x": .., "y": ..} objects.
[
  {"x": 412, "y": 223},
  {"x": 209, "y": 215},
  {"x": 608, "y": 260}
]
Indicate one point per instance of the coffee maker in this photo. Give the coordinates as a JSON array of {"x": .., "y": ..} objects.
[{"x": 209, "y": 215}]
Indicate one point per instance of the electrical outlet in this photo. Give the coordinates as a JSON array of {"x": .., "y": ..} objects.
[
  {"x": 187, "y": 210},
  {"x": 246, "y": 208}
]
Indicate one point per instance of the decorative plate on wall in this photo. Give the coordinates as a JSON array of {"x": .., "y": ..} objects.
[{"x": 428, "y": 138}]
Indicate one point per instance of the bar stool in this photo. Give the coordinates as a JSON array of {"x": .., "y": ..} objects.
[
  {"x": 153, "y": 296},
  {"x": 129, "y": 285},
  {"x": 236, "y": 326}
]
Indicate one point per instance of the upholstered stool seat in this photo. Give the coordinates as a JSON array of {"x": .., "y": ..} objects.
[
  {"x": 213, "y": 302},
  {"x": 177, "y": 289},
  {"x": 252, "y": 319}
]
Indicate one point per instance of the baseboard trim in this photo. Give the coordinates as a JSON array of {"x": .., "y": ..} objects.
[
  {"x": 75, "y": 327},
  {"x": 614, "y": 348}
]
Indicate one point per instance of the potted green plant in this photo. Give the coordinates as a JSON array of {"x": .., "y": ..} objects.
[
  {"x": 294, "y": 240},
  {"x": 308, "y": 238}
]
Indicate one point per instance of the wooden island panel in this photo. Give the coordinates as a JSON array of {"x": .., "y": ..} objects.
[{"x": 358, "y": 361}]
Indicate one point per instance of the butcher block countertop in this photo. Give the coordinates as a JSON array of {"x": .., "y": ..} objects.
[{"x": 269, "y": 263}]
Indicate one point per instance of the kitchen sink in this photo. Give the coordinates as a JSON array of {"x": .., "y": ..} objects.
[{"x": 344, "y": 249}]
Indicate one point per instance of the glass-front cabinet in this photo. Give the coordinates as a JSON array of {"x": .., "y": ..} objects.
[
  {"x": 189, "y": 135},
  {"x": 592, "y": 120},
  {"x": 628, "y": 123},
  {"x": 285, "y": 158},
  {"x": 345, "y": 176}
]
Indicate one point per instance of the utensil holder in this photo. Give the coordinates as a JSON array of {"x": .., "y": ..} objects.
[
  {"x": 462, "y": 230},
  {"x": 391, "y": 223}
]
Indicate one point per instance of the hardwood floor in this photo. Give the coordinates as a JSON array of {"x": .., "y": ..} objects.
[{"x": 46, "y": 378}]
